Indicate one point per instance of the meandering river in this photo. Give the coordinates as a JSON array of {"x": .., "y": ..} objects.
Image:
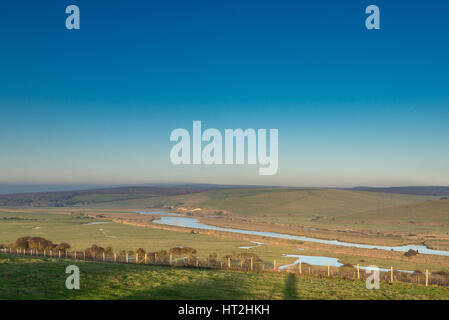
[{"x": 193, "y": 223}]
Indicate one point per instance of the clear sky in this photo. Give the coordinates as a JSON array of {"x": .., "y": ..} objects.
[{"x": 97, "y": 105}]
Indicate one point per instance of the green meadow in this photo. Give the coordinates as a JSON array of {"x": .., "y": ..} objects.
[
  {"x": 44, "y": 278},
  {"x": 77, "y": 230},
  {"x": 304, "y": 206}
]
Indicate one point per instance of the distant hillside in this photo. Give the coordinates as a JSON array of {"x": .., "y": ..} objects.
[
  {"x": 300, "y": 206},
  {"x": 429, "y": 214},
  {"x": 69, "y": 198},
  {"x": 422, "y": 191},
  {"x": 103, "y": 195},
  {"x": 8, "y": 188}
]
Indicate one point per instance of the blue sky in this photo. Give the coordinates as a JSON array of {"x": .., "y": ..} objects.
[{"x": 97, "y": 105}]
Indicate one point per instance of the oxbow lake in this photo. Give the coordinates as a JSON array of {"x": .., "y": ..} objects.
[{"x": 324, "y": 261}]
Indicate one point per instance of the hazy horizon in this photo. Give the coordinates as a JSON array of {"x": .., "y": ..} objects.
[{"x": 10, "y": 188}]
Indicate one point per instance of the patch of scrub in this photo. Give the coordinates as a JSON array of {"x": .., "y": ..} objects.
[{"x": 257, "y": 244}]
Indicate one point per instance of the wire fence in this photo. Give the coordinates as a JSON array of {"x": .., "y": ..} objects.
[{"x": 243, "y": 264}]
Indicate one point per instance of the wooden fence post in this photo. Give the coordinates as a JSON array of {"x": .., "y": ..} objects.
[
  {"x": 358, "y": 272},
  {"x": 137, "y": 258},
  {"x": 427, "y": 277},
  {"x": 300, "y": 267},
  {"x": 328, "y": 269},
  {"x": 127, "y": 258},
  {"x": 229, "y": 263},
  {"x": 75, "y": 254},
  {"x": 104, "y": 256},
  {"x": 197, "y": 262},
  {"x": 391, "y": 275},
  {"x": 115, "y": 257},
  {"x": 146, "y": 258},
  {"x": 171, "y": 258},
  {"x": 274, "y": 266},
  {"x": 84, "y": 255},
  {"x": 252, "y": 265}
]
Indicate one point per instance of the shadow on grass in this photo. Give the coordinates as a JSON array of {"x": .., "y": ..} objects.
[{"x": 290, "y": 292}]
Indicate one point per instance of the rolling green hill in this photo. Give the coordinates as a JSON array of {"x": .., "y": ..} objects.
[
  {"x": 301, "y": 206},
  {"x": 429, "y": 213}
]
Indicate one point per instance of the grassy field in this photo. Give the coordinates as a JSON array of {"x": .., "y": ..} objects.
[
  {"x": 44, "y": 278},
  {"x": 433, "y": 215},
  {"x": 302, "y": 206},
  {"x": 76, "y": 230}
]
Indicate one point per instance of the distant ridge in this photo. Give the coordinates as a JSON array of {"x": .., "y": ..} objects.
[
  {"x": 9, "y": 189},
  {"x": 423, "y": 191},
  {"x": 69, "y": 197}
]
